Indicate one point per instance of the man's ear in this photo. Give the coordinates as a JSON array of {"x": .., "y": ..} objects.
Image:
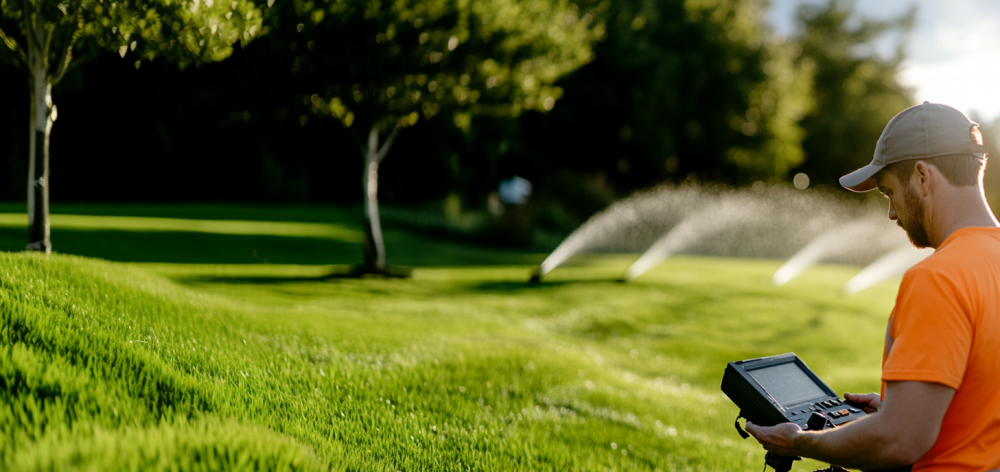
[{"x": 925, "y": 175}]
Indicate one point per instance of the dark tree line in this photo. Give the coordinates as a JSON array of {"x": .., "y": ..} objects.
[{"x": 675, "y": 90}]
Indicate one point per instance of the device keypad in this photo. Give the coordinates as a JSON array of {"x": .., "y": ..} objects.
[{"x": 833, "y": 409}]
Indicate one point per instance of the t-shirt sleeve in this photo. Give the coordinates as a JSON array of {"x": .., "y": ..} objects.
[{"x": 931, "y": 331}]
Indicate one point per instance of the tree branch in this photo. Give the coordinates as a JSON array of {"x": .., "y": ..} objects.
[
  {"x": 33, "y": 25},
  {"x": 372, "y": 151},
  {"x": 68, "y": 55},
  {"x": 387, "y": 144},
  {"x": 14, "y": 47},
  {"x": 51, "y": 30}
]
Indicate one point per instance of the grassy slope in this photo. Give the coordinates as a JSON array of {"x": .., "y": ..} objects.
[{"x": 170, "y": 366}]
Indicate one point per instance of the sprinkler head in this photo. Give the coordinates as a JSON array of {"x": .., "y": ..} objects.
[{"x": 536, "y": 277}]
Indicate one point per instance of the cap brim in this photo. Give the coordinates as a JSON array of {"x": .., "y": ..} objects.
[{"x": 861, "y": 180}]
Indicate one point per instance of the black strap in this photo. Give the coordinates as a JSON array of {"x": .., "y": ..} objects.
[{"x": 743, "y": 434}]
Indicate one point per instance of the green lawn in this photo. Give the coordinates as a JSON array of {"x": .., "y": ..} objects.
[{"x": 214, "y": 344}]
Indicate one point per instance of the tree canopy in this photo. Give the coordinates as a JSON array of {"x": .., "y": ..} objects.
[
  {"x": 856, "y": 89},
  {"x": 394, "y": 63},
  {"x": 680, "y": 88},
  {"x": 186, "y": 31}
]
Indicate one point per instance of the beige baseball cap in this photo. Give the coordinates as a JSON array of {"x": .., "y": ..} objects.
[{"x": 921, "y": 132}]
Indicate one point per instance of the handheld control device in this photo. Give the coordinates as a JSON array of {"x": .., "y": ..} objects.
[{"x": 782, "y": 389}]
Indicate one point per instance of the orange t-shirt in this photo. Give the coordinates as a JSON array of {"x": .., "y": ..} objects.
[{"x": 945, "y": 328}]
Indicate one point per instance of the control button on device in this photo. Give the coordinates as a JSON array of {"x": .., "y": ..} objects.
[
  {"x": 855, "y": 410},
  {"x": 844, "y": 412},
  {"x": 794, "y": 413}
]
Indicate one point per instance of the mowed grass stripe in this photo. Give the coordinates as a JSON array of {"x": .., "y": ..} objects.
[{"x": 231, "y": 227}]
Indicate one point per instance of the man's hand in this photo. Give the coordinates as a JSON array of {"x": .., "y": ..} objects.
[
  {"x": 870, "y": 401},
  {"x": 779, "y": 439},
  {"x": 905, "y": 428}
]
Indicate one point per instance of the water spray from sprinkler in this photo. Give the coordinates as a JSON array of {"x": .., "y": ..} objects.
[
  {"x": 774, "y": 222},
  {"x": 892, "y": 264}
]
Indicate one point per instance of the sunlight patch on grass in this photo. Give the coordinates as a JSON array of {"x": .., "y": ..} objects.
[{"x": 233, "y": 227}]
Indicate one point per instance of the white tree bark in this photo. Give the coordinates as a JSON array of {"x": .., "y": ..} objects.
[
  {"x": 43, "y": 115},
  {"x": 374, "y": 242}
]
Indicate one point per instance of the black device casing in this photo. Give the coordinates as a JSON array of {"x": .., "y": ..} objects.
[{"x": 758, "y": 406}]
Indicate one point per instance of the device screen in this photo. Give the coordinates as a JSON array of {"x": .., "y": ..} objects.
[{"x": 787, "y": 383}]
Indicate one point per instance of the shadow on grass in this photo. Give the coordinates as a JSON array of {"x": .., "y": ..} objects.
[
  {"x": 345, "y": 272},
  {"x": 526, "y": 285},
  {"x": 180, "y": 247}
]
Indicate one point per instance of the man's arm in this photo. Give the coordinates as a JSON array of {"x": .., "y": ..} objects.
[{"x": 901, "y": 432}]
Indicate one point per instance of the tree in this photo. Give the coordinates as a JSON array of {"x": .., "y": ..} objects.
[
  {"x": 47, "y": 38},
  {"x": 381, "y": 67},
  {"x": 856, "y": 90}
]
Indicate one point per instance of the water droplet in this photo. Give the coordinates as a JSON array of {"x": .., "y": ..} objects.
[
  {"x": 132, "y": 46},
  {"x": 299, "y": 27},
  {"x": 122, "y": 50}
]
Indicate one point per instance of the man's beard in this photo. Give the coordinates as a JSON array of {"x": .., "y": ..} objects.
[{"x": 914, "y": 226}]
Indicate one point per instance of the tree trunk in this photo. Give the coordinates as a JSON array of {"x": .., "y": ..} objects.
[
  {"x": 374, "y": 244},
  {"x": 43, "y": 114}
]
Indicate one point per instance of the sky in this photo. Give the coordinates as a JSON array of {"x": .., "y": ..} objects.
[{"x": 952, "y": 54}]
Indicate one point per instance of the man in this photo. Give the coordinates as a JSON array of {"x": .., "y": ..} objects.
[{"x": 940, "y": 404}]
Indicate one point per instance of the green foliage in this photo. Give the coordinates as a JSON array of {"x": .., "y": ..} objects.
[
  {"x": 389, "y": 63},
  {"x": 682, "y": 88},
  {"x": 776, "y": 90},
  {"x": 109, "y": 366},
  {"x": 187, "y": 31},
  {"x": 856, "y": 90}
]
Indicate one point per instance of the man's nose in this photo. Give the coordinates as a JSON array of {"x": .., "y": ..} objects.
[{"x": 892, "y": 212}]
